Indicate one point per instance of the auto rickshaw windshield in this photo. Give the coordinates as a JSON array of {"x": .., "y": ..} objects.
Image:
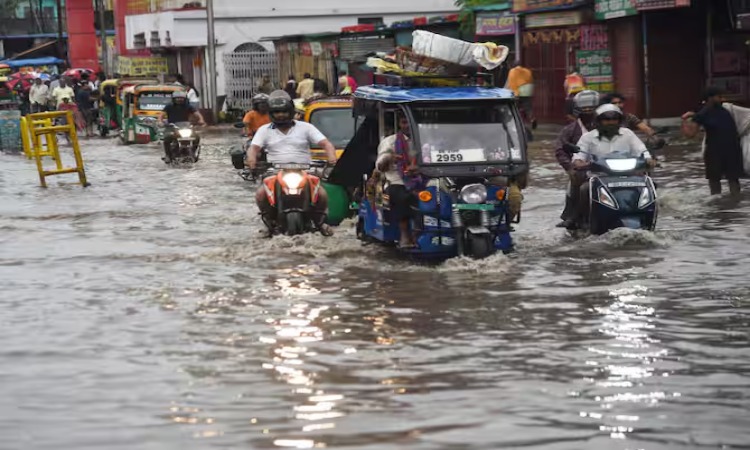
[
  {"x": 154, "y": 101},
  {"x": 468, "y": 133},
  {"x": 336, "y": 124}
]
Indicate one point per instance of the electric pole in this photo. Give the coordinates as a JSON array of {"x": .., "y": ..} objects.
[
  {"x": 213, "y": 104},
  {"x": 103, "y": 36}
]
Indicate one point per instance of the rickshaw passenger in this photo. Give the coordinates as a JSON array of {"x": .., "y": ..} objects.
[{"x": 397, "y": 162}]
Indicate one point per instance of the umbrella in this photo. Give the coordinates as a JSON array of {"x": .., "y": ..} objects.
[
  {"x": 76, "y": 73},
  {"x": 44, "y": 76},
  {"x": 24, "y": 79}
]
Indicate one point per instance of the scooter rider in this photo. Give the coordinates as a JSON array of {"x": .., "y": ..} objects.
[
  {"x": 179, "y": 111},
  {"x": 584, "y": 107},
  {"x": 609, "y": 137},
  {"x": 288, "y": 141}
]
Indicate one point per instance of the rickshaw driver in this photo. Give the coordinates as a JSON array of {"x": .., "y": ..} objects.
[
  {"x": 179, "y": 111},
  {"x": 397, "y": 163},
  {"x": 287, "y": 141}
]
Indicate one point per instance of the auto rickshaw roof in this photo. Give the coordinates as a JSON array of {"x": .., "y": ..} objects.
[
  {"x": 159, "y": 88},
  {"x": 399, "y": 94}
]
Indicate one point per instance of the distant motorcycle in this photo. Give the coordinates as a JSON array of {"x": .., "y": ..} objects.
[{"x": 185, "y": 146}]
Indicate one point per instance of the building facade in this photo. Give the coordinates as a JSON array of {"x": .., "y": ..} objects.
[{"x": 178, "y": 28}]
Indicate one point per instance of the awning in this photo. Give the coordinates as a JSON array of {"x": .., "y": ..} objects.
[{"x": 46, "y": 61}]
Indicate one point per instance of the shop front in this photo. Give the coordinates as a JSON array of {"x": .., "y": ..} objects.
[
  {"x": 729, "y": 63},
  {"x": 550, "y": 43}
]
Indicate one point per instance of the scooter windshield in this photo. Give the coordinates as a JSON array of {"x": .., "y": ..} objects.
[{"x": 468, "y": 133}]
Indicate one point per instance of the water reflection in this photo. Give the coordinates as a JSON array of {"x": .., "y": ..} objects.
[
  {"x": 293, "y": 359},
  {"x": 625, "y": 363}
]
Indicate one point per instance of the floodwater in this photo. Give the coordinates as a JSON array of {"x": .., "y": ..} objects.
[{"x": 145, "y": 313}]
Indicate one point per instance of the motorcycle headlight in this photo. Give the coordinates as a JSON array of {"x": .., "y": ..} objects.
[
  {"x": 474, "y": 193},
  {"x": 185, "y": 133},
  {"x": 622, "y": 165},
  {"x": 292, "y": 180}
]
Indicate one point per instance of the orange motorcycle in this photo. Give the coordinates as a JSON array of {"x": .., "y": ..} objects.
[{"x": 293, "y": 193}]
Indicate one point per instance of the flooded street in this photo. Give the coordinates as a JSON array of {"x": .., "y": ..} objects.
[{"x": 144, "y": 312}]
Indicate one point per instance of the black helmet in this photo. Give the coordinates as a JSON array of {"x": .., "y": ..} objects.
[
  {"x": 259, "y": 98},
  {"x": 279, "y": 101},
  {"x": 585, "y": 100}
]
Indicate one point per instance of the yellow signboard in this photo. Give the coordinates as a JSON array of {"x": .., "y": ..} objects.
[{"x": 152, "y": 65}]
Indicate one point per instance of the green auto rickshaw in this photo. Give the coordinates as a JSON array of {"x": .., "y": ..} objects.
[{"x": 142, "y": 112}]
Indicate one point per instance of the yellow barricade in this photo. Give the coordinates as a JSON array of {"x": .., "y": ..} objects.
[
  {"x": 43, "y": 124},
  {"x": 25, "y": 138}
]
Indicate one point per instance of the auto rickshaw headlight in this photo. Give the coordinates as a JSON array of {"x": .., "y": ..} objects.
[
  {"x": 474, "y": 193},
  {"x": 425, "y": 196}
]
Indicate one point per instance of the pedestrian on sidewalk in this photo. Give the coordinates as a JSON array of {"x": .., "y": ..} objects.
[
  {"x": 86, "y": 108},
  {"x": 722, "y": 153},
  {"x": 291, "y": 86},
  {"x": 38, "y": 96}
]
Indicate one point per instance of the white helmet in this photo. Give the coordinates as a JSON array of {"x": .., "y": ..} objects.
[{"x": 608, "y": 111}]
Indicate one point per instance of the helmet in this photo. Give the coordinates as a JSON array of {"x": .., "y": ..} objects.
[
  {"x": 585, "y": 100},
  {"x": 176, "y": 95},
  {"x": 279, "y": 102},
  {"x": 260, "y": 98},
  {"x": 608, "y": 112}
]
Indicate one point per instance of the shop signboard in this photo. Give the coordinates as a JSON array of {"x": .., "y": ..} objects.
[
  {"x": 536, "y": 5},
  {"x": 554, "y": 19},
  {"x": 596, "y": 68},
  {"x": 645, "y": 5},
  {"x": 594, "y": 37},
  {"x": 613, "y": 9},
  {"x": 142, "y": 65},
  {"x": 495, "y": 24}
]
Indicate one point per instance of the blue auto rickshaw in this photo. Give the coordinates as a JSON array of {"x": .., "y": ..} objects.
[{"x": 470, "y": 150}]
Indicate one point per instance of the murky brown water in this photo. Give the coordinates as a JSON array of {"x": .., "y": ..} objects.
[{"x": 143, "y": 313}]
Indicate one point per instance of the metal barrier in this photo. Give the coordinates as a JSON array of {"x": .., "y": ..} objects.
[{"x": 43, "y": 124}]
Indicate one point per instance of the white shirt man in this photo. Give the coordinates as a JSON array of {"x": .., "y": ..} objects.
[
  {"x": 387, "y": 149},
  {"x": 290, "y": 148},
  {"x": 38, "y": 94},
  {"x": 625, "y": 142}
]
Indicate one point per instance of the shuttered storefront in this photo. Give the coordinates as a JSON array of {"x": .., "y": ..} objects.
[{"x": 356, "y": 48}]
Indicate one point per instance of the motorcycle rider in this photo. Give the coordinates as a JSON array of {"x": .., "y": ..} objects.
[
  {"x": 288, "y": 141},
  {"x": 609, "y": 137},
  {"x": 179, "y": 111},
  {"x": 584, "y": 107},
  {"x": 258, "y": 116}
]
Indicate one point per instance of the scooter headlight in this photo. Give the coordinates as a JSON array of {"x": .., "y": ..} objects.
[
  {"x": 622, "y": 165},
  {"x": 645, "y": 199},
  {"x": 186, "y": 133},
  {"x": 474, "y": 193},
  {"x": 606, "y": 199},
  {"x": 293, "y": 180}
]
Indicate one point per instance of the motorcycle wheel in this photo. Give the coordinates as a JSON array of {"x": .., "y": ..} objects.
[
  {"x": 295, "y": 223},
  {"x": 480, "y": 246}
]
